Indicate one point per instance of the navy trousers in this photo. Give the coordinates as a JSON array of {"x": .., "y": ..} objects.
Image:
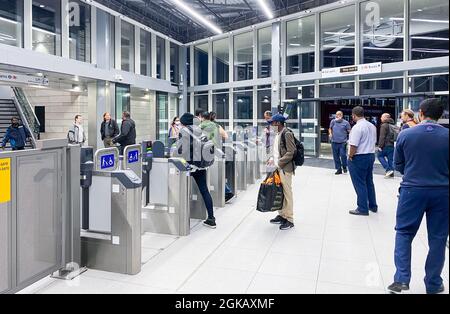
[
  {"x": 361, "y": 173},
  {"x": 339, "y": 155},
  {"x": 201, "y": 180},
  {"x": 386, "y": 158},
  {"x": 413, "y": 204}
]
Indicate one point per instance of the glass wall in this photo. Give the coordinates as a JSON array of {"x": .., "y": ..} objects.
[
  {"x": 11, "y": 22},
  {"x": 337, "y": 37},
  {"x": 160, "y": 58},
  {"x": 162, "y": 117},
  {"x": 174, "y": 63},
  {"x": 122, "y": 101},
  {"x": 112, "y": 41},
  {"x": 201, "y": 101},
  {"x": 80, "y": 31},
  {"x": 429, "y": 28},
  {"x": 382, "y": 30},
  {"x": 221, "y": 106},
  {"x": 201, "y": 64},
  {"x": 265, "y": 52},
  {"x": 264, "y": 104},
  {"x": 47, "y": 26},
  {"x": 221, "y": 61},
  {"x": 243, "y": 107},
  {"x": 127, "y": 46},
  {"x": 386, "y": 86},
  {"x": 243, "y": 57},
  {"x": 146, "y": 53},
  {"x": 300, "y": 45},
  {"x": 426, "y": 84},
  {"x": 337, "y": 89}
]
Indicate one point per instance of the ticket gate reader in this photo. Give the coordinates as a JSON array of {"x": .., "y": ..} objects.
[
  {"x": 147, "y": 157},
  {"x": 112, "y": 239}
]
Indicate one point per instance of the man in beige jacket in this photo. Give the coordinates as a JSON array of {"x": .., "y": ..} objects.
[{"x": 283, "y": 154}]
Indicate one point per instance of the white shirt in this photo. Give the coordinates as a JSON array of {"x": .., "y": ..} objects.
[
  {"x": 363, "y": 136},
  {"x": 276, "y": 149}
]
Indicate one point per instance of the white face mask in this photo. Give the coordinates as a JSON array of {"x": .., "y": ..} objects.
[{"x": 178, "y": 123}]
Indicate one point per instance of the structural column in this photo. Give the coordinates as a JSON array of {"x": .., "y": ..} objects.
[
  {"x": 276, "y": 77},
  {"x": 101, "y": 99}
]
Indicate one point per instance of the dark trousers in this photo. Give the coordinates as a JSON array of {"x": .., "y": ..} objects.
[
  {"x": 361, "y": 173},
  {"x": 201, "y": 180},
  {"x": 339, "y": 155},
  {"x": 18, "y": 148},
  {"x": 413, "y": 204},
  {"x": 386, "y": 158}
]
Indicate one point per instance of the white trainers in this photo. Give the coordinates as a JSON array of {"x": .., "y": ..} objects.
[{"x": 389, "y": 174}]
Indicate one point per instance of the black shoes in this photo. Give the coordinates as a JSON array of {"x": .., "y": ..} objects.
[
  {"x": 286, "y": 225},
  {"x": 345, "y": 170},
  {"x": 358, "y": 213},
  {"x": 228, "y": 197},
  {"x": 440, "y": 290},
  {"x": 278, "y": 220},
  {"x": 398, "y": 287},
  {"x": 338, "y": 172},
  {"x": 373, "y": 210},
  {"x": 211, "y": 223}
]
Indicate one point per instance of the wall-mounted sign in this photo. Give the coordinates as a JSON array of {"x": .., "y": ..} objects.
[
  {"x": 5, "y": 180},
  {"x": 25, "y": 79},
  {"x": 133, "y": 156},
  {"x": 360, "y": 69},
  {"x": 107, "y": 161}
]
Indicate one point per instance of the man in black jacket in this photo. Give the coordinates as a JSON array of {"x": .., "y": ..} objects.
[
  {"x": 109, "y": 130},
  {"x": 386, "y": 145},
  {"x": 127, "y": 132}
]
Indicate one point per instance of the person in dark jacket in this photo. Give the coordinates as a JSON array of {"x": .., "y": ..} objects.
[
  {"x": 16, "y": 135},
  {"x": 421, "y": 155},
  {"x": 386, "y": 145},
  {"x": 127, "y": 134},
  {"x": 109, "y": 130}
]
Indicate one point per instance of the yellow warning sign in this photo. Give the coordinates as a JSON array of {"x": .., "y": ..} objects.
[{"x": 5, "y": 180}]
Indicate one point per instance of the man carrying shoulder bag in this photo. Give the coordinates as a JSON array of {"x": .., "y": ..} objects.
[{"x": 284, "y": 149}]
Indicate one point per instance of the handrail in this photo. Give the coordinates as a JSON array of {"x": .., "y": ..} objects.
[{"x": 27, "y": 114}]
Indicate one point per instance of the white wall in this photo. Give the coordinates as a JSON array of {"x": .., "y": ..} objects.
[
  {"x": 143, "y": 112},
  {"x": 60, "y": 109}
]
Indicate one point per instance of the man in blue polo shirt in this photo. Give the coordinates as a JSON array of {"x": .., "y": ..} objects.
[
  {"x": 421, "y": 155},
  {"x": 361, "y": 158},
  {"x": 338, "y": 132}
]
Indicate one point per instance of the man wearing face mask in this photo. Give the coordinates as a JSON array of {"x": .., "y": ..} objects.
[
  {"x": 422, "y": 157},
  {"x": 283, "y": 154},
  {"x": 338, "y": 132},
  {"x": 16, "y": 135}
]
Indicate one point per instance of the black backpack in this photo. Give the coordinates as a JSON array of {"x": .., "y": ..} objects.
[
  {"x": 299, "y": 154},
  {"x": 203, "y": 146}
]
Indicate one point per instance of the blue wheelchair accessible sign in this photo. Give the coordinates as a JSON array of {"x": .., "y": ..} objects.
[
  {"x": 107, "y": 161},
  {"x": 133, "y": 156}
]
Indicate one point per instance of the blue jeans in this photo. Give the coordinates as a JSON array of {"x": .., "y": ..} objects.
[
  {"x": 200, "y": 178},
  {"x": 339, "y": 155},
  {"x": 361, "y": 173},
  {"x": 227, "y": 189},
  {"x": 386, "y": 158},
  {"x": 413, "y": 204}
]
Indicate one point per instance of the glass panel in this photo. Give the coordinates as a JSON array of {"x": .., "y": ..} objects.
[
  {"x": 382, "y": 87},
  {"x": 11, "y": 22},
  {"x": 337, "y": 38},
  {"x": 112, "y": 41},
  {"x": 300, "y": 92},
  {"x": 122, "y": 101},
  {"x": 188, "y": 65},
  {"x": 221, "y": 105},
  {"x": 429, "y": 28},
  {"x": 38, "y": 216},
  {"x": 174, "y": 63},
  {"x": 337, "y": 90},
  {"x": 201, "y": 102},
  {"x": 264, "y": 104},
  {"x": 127, "y": 44},
  {"x": 201, "y": 64},
  {"x": 243, "y": 108},
  {"x": 160, "y": 58},
  {"x": 221, "y": 61},
  {"x": 243, "y": 57},
  {"x": 265, "y": 52},
  {"x": 308, "y": 126},
  {"x": 300, "y": 45},
  {"x": 47, "y": 26},
  {"x": 162, "y": 119},
  {"x": 426, "y": 84},
  {"x": 146, "y": 53},
  {"x": 80, "y": 31},
  {"x": 382, "y": 31}
]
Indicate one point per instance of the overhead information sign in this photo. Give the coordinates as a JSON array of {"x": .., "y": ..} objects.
[
  {"x": 361, "y": 69},
  {"x": 25, "y": 79},
  {"x": 5, "y": 180}
]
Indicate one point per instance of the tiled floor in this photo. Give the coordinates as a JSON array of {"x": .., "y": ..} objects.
[{"x": 328, "y": 251}]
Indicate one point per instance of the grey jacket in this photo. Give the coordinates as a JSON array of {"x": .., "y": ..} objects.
[
  {"x": 287, "y": 152},
  {"x": 73, "y": 135}
]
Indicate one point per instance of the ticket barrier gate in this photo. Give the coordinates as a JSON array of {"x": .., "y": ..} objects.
[
  {"x": 241, "y": 163},
  {"x": 251, "y": 161},
  {"x": 216, "y": 177},
  {"x": 231, "y": 173},
  {"x": 111, "y": 230}
]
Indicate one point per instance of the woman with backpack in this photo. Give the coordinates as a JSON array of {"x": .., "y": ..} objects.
[{"x": 187, "y": 147}]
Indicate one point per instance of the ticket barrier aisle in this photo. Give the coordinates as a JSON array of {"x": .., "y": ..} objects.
[
  {"x": 231, "y": 173},
  {"x": 251, "y": 161},
  {"x": 111, "y": 230},
  {"x": 216, "y": 177},
  {"x": 241, "y": 165}
]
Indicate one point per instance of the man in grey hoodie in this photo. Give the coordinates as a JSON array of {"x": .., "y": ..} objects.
[{"x": 386, "y": 144}]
